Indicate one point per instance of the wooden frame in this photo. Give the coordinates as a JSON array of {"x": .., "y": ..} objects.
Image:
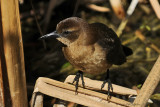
[{"x": 85, "y": 97}]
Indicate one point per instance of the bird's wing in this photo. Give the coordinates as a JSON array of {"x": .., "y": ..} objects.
[
  {"x": 111, "y": 43},
  {"x": 115, "y": 53}
]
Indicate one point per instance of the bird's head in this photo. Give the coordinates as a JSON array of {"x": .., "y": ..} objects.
[{"x": 67, "y": 30}]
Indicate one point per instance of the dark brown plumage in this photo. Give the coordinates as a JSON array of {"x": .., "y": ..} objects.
[{"x": 91, "y": 48}]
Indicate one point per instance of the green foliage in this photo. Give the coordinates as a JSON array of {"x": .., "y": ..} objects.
[
  {"x": 147, "y": 27},
  {"x": 66, "y": 65},
  {"x": 139, "y": 86},
  {"x": 68, "y": 68},
  {"x": 156, "y": 96}
]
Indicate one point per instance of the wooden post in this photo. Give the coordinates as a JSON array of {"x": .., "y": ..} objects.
[
  {"x": 1, "y": 88},
  {"x": 12, "y": 71},
  {"x": 149, "y": 86}
]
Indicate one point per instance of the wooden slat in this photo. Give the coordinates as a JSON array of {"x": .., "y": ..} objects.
[
  {"x": 12, "y": 62},
  {"x": 96, "y": 85},
  {"x": 1, "y": 78},
  {"x": 37, "y": 100},
  {"x": 66, "y": 92},
  {"x": 1, "y": 88},
  {"x": 43, "y": 85}
]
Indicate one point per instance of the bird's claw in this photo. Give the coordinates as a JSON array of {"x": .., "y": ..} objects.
[
  {"x": 76, "y": 79},
  {"x": 110, "y": 88}
]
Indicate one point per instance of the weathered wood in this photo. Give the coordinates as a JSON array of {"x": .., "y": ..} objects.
[
  {"x": 96, "y": 85},
  {"x": 66, "y": 92},
  {"x": 70, "y": 96},
  {"x": 36, "y": 100},
  {"x": 1, "y": 88},
  {"x": 5, "y": 98},
  {"x": 1, "y": 78},
  {"x": 12, "y": 59},
  {"x": 148, "y": 86}
]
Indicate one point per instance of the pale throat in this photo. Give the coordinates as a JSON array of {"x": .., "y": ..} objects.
[{"x": 64, "y": 40}]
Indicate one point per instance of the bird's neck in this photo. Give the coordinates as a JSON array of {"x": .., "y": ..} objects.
[{"x": 87, "y": 36}]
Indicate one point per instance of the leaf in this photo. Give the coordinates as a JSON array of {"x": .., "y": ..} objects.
[
  {"x": 66, "y": 65},
  {"x": 156, "y": 96},
  {"x": 139, "y": 86}
]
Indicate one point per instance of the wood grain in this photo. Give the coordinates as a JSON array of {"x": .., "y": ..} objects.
[
  {"x": 13, "y": 60},
  {"x": 66, "y": 92},
  {"x": 96, "y": 85},
  {"x": 148, "y": 86}
]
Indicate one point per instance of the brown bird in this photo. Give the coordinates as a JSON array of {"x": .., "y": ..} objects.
[{"x": 91, "y": 48}]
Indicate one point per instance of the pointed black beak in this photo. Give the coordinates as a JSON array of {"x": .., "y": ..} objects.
[{"x": 50, "y": 35}]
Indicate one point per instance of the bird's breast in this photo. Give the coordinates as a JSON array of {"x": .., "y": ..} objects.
[{"x": 90, "y": 59}]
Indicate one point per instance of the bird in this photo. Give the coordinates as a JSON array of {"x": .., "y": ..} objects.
[{"x": 90, "y": 48}]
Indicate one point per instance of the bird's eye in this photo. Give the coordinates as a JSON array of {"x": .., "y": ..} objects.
[{"x": 66, "y": 32}]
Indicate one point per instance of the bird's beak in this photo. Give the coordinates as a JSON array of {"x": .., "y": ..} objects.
[{"x": 50, "y": 35}]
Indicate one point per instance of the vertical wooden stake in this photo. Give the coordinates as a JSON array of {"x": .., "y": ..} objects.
[
  {"x": 1, "y": 88},
  {"x": 149, "y": 86},
  {"x": 12, "y": 58}
]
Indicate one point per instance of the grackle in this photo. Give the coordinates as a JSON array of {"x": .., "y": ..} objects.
[{"x": 91, "y": 48}]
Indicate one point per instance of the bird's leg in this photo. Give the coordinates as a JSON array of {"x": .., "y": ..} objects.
[
  {"x": 76, "y": 79},
  {"x": 109, "y": 83}
]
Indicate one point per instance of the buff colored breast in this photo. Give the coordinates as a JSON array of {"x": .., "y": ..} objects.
[{"x": 90, "y": 59}]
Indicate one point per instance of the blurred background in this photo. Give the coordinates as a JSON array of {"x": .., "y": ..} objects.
[{"x": 139, "y": 30}]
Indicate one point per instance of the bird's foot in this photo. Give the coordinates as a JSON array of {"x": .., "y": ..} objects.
[
  {"x": 107, "y": 80},
  {"x": 110, "y": 88},
  {"x": 76, "y": 79}
]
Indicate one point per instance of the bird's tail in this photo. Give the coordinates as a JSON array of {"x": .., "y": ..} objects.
[{"x": 127, "y": 51}]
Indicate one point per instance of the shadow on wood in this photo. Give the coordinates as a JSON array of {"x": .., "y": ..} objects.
[{"x": 85, "y": 97}]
